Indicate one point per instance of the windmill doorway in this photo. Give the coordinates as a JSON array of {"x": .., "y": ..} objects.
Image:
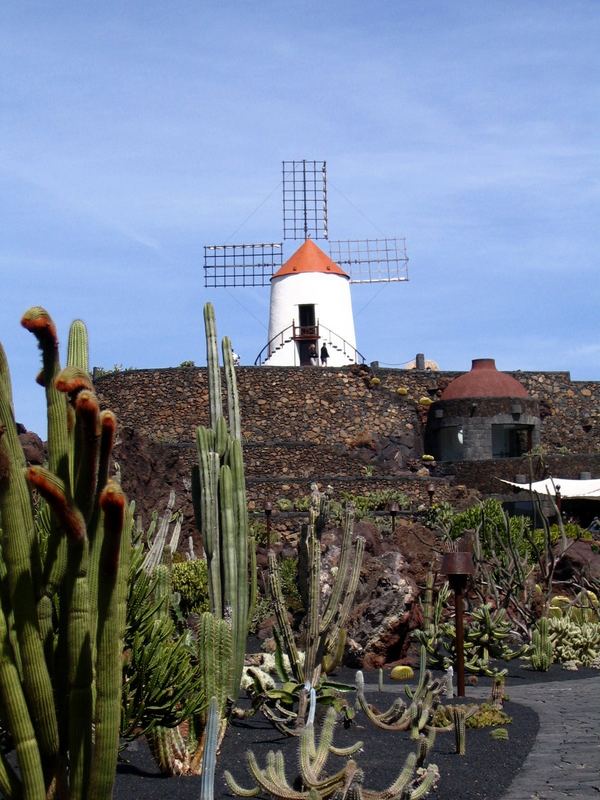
[{"x": 307, "y": 332}]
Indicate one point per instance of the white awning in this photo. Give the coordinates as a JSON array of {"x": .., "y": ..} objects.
[{"x": 582, "y": 490}]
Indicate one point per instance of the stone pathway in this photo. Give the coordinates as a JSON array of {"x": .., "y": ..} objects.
[{"x": 565, "y": 759}]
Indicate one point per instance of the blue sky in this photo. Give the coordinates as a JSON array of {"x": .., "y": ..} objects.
[{"x": 133, "y": 133}]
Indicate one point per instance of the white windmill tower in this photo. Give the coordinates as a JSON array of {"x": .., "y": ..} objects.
[{"x": 311, "y": 303}]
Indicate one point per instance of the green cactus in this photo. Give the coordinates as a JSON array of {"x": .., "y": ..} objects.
[
  {"x": 209, "y": 760},
  {"x": 64, "y": 571},
  {"x": 577, "y": 642},
  {"x": 402, "y": 672},
  {"x": 219, "y": 494},
  {"x": 413, "y": 781},
  {"x": 541, "y": 653},
  {"x": 169, "y": 674},
  {"x": 459, "y": 715},
  {"x": 322, "y": 625},
  {"x": 425, "y": 698}
]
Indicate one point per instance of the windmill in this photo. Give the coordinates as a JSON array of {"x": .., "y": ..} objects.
[{"x": 311, "y": 303}]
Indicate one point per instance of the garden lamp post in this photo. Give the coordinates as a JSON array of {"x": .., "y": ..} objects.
[
  {"x": 430, "y": 492},
  {"x": 457, "y": 567},
  {"x": 394, "y": 509},
  {"x": 268, "y": 509}
]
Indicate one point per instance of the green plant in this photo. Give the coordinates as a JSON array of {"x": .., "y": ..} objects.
[
  {"x": 165, "y": 676},
  {"x": 438, "y": 515},
  {"x": 500, "y": 734},
  {"x": 577, "y": 642},
  {"x": 413, "y": 782},
  {"x": 190, "y": 582},
  {"x": 541, "y": 651},
  {"x": 459, "y": 716},
  {"x": 365, "y": 504},
  {"x": 417, "y": 715},
  {"x": 63, "y": 612},
  {"x": 486, "y": 635},
  {"x": 488, "y": 715},
  {"x": 288, "y": 576},
  {"x": 323, "y": 622},
  {"x": 219, "y": 494}
]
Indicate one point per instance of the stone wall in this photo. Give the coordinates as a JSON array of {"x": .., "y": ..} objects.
[
  {"x": 486, "y": 475},
  {"x": 353, "y": 427},
  {"x": 335, "y": 406}
]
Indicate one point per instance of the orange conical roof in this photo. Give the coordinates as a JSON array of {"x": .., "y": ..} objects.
[{"x": 309, "y": 258}]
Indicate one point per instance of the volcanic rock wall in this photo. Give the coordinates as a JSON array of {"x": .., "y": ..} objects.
[{"x": 359, "y": 429}]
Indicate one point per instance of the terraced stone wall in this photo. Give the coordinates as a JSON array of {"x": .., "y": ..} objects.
[{"x": 336, "y": 406}]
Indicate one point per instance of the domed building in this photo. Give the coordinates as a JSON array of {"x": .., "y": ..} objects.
[{"x": 481, "y": 415}]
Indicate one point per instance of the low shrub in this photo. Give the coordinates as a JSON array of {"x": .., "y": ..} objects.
[{"x": 190, "y": 581}]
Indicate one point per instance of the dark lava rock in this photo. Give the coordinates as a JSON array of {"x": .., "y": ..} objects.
[{"x": 33, "y": 447}]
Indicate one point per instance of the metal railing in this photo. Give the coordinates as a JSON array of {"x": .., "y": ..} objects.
[{"x": 325, "y": 334}]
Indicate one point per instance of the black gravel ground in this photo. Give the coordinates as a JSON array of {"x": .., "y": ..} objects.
[{"x": 484, "y": 773}]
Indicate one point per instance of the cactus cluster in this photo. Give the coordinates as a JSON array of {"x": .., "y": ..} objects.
[
  {"x": 413, "y": 782},
  {"x": 219, "y": 494},
  {"x": 416, "y": 716},
  {"x": 584, "y": 607},
  {"x": 576, "y": 642},
  {"x": 322, "y": 627},
  {"x": 63, "y": 573},
  {"x": 541, "y": 652},
  {"x": 486, "y": 635}
]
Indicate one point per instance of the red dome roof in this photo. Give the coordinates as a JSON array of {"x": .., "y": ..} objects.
[
  {"x": 309, "y": 258},
  {"x": 483, "y": 380}
]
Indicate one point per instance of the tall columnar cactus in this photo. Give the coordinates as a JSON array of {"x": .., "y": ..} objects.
[
  {"x": 62, "y": 614},
  {"x": 324, "y": 621},
  {"x": 541, "y": 653},
  {"x": 220, "y": 504},
  {"x": 459, "y": 716}
]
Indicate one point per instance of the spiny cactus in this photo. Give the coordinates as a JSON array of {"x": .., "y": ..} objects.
[
  {"x": 63, "y": 611},
  {"x": 498, "y": 694},
  {"x": 459, "y": 715},
  {"x": 219, "y": 494},
  {"x": 323, "y": 623},
  {"x": 486, "y": 637},
  {"x": 399, "y": 717},
  {"x": 402, "y": 672},
  {"x": 413, "y": 781},
  {"x": 583, "y": 607},
  {"x": 169, "y": 674},
  {"x": 209, "y": 759},
  {"x": 541, "y": 653},
  {"x": 575, "y": 642}
]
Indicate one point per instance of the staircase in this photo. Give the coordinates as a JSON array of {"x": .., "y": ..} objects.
[{"x": 333, "y": 340}]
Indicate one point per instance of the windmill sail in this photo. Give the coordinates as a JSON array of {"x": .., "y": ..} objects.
[{"x": 371, "y": 260}]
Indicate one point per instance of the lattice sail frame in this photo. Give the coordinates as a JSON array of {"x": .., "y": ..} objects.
[
  {"x": 241, "y": 264},
  {"x": 371, "y": 260},
  {"x": 304, "y": 199},
  {"x": 305, "y": 216}
]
